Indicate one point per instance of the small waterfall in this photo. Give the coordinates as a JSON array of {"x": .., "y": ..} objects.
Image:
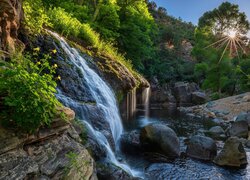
[
  {"x": 131, "y": 104},
  {"x": 145, "y": 100},
  {"x": 105, "y": 102}
]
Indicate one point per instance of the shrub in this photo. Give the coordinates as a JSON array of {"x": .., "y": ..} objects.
[
  {"x": 35, "y": 15},
  {"x": 28, "y": 92}
]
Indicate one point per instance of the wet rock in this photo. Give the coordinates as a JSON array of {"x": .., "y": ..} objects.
[
  {"x": 160, "y": 138},
  {"x": 232, "y": 154},
  {"x": 198, "y": 98},
  {"x": 239, "y": 129},
  {"x": 216, "y": 132},
  {"x": 201, "y": 147},
  {"x": 111, "y": 172},
  {"x": 130, "y": 142}
]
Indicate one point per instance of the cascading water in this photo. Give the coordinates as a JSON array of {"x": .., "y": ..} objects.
[
  {"x": 145, "y": 100},
  {"x": 131, "y": 104},
  {"x": 105, "y": 102}
]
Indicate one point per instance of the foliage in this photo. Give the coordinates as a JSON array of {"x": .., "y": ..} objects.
[
  {"x": 217, "y": 67},
  {"x": 64, "y": 23},
  {"x": 27, "y": 88},
  {"x": 35, "y": 16}
]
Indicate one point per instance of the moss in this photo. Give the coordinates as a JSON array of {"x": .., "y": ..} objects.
[
  {"x": 84, "y": 133},
  {"x": 119, "y": 96}
]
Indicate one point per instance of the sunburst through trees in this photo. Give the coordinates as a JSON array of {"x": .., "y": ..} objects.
[
  {"x": 221, "y": 41},
  {"x": 230, "y": 27}
]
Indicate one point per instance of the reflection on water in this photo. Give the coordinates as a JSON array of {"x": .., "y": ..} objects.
[{"x": 182, "y": 168}]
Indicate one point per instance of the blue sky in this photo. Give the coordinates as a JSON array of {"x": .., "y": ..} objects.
[{"x": 192, "y": 10}]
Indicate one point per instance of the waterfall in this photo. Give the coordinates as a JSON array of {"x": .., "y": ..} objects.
[
  {"x": 105, "y": 102},
  {"x": 145, "y": 100},
  {"x": 131, "y": 104}
]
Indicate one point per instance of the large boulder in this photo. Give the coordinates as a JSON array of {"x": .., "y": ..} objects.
[
  {"x": 160, "y": 138},
  {"x": 239, "y": 129},
  {"x": 201, "y": 147},
  {"x": 199, "y": 97},
  {"x": 232, "y": 154}
]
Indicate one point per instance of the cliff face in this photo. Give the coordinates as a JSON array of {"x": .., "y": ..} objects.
[
  {"x": 11, "y": 14},
  {"x": 56, "y": 152}
]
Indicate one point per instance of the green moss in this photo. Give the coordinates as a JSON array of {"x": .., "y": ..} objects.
[{"x": 119, "y": 96}]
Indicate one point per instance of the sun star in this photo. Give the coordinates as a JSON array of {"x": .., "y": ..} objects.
[{"x": 231, "y": 34}]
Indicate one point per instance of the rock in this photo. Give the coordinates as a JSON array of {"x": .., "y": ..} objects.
[
  {"x": 182, "y": 93},
  {"x": 160, "y": 138},
  {"x": 48, "y": 159},
  {"x": 130, "y": 142},
  {"x": 232, "y": 154},
  {"x": 246, "y": 98},
  {"x": 216, "y": 132},
  {"x": 244, "y": 117},
  {"x": 198, "y": 98},
  {"x": 111, "y": 172},
  {"x": 11, "y": 14},
  {"x": 201, "y": 147},
  {"x": 68, "y": 113},
  {"x": 239, "y": 129},
  {"x": 247, "y": 143}
]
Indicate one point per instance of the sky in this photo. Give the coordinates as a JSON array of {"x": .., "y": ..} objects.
[{"x": 192, "y": 10}]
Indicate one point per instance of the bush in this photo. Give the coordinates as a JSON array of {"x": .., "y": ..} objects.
[
  {"x": 28, "y": 92},
  {"x": 35, "y": 16}
]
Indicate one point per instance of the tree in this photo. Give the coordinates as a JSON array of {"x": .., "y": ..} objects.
[{"x": 220, "y": 37}]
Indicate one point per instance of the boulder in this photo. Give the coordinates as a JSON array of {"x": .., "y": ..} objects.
[
  {"x": 182, "y": 93},
  {"x": 198, "y": 98},
  {"x": 160, "y": 138},
  {"x": 130, "y": 142},
  {"x": 244, "y": 117},
  {"x": 239, "y": 129},
  {"x": 216, "y": 132},
  {"x": 232, "y": 154},
  {"x": 201, "y": 147}
]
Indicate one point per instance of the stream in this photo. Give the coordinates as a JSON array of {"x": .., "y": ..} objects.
[{"x": 183, "y": 167}]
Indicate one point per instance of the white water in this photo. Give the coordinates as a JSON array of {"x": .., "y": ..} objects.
[
  {"x": 145, "y": 100},
  {"x": 131, "y": 104},
  {"x": 105, "y": 100}
]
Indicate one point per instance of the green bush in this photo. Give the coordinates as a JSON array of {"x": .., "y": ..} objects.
[
  {"x": 28, "y": 92},
  {"x": 35, "y": 16}
]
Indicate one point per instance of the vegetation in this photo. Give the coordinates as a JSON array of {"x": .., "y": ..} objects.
[
  {"x": 136, "y": 34},
  {"x": 27, "y": 89},
  {"x": 221, "y": 50}
]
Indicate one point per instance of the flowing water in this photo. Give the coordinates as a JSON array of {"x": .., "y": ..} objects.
[
  {"x": 105, "y": 102},
  {"x": 182, "y": 168}
]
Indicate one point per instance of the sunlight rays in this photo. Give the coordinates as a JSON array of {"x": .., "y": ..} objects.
[{"x": 230, "y": 39}]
